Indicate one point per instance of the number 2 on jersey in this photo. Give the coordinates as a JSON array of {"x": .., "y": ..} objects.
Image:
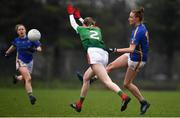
[{"x": 94, "y": 35}]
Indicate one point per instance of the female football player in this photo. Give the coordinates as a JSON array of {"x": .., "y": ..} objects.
[
  {"x": 24, "y": 60},
  {"x": 97, "y": 57},
  {"x": 134, "y": 57}
]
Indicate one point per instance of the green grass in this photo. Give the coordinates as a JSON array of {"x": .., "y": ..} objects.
[{"x": 99, "y": 103}]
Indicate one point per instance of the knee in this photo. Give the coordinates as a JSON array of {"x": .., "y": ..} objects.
[
  {"x": 28, "y": 80},
  {"x": 126, "y": 85},
  {"x": 109, "y": 67},
  {"x": 86, "y": 79}
]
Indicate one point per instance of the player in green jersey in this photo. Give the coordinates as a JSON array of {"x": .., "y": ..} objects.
[{"x": 93, "y": 44}]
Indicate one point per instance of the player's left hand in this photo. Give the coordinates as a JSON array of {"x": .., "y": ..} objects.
[
  {"x": 70, "y": 9},
  {"x": 77, "y": 14}
]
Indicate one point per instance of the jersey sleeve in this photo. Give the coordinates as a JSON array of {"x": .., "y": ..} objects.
[
  {"x": 14, "y": 42},
  {"x": 36, "y": 43},
  {"x": 73, "y": 22},
  {"x": 78, "y": 29}
]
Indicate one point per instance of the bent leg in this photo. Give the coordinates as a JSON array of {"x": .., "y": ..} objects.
[
  {"x": 20, "y": 77},
  {"x": 120, "y": 62},
  {"x": 101, "y": 72},
  {"x": 17, "y": 78}
]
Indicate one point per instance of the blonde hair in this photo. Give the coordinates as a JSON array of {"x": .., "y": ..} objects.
[
  {"x": 18, "y": 25},
  {"x": 139, "y": 13}
]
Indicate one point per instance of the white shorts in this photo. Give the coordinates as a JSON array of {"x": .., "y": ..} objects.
[
  {"x": 97, "y": 56},
  {"x": 20, "y": 63},
  {"x": 136, "y": 66}
]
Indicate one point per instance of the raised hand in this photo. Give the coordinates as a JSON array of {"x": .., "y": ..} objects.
[
  {"x": 77, "y": 14},
  {"x": 70, "y": 9}
]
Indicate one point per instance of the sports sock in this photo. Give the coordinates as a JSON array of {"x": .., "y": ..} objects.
[
  {"x": 30, "y": 94},
  {"x": 81, "y": 100},
  {"x": 122, "y": 95}
]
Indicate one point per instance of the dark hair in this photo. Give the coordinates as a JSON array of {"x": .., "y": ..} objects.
[
  {"x": 139, "y": 13},
  {"x": 17, "y": 26},
  {"x": 89, "y": 21}
]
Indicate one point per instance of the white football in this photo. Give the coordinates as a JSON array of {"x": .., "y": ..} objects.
[{"x": 34, "y": 35}]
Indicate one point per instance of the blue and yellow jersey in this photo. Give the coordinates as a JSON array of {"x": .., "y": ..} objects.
[
  {"x": 140, "y": 38},
  {"x": 22, "y": 46}
]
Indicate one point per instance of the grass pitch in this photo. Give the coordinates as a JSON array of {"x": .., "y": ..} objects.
[{"x": 99, "y": 103}]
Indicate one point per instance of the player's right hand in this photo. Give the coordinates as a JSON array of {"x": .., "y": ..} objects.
[
  {"x": 70, "y": 9},
  {"x": 77, "y": 14},
  {"x": 111, "y": 50},
  {"x": 6, "y": 55}
]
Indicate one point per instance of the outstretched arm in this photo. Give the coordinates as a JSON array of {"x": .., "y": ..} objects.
[
  {"x": 81, "y": 20},
  {"x": 73, "y": 22},
  {"x": 78, "y": 15},
  {"x": 130, "y": 49},
  {"x": 70, "y": 11},
  {"x": 11, "y": 49}
]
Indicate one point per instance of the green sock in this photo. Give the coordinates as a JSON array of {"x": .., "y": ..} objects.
[
  {"x": 82, "y": 99},
  {"x": 120, "y": 93}
]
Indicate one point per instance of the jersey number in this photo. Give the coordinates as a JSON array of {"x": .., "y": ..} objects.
[{"x": 94, "y": 35}]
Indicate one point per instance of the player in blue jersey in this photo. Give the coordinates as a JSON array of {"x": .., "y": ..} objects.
[
  {"x": 134, "y": 57},
  {"x": 24, "y": 59}
]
